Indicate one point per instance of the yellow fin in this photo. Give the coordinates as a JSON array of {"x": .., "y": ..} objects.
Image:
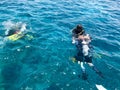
[
  {"x": 73, "y": 59},
  {"x": 29, "y": 37},
  {"x": 15, "y": 37}
]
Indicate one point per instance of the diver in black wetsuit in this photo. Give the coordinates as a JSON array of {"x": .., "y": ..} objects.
[
  {"x": 82, "y": 42},
  {"x": 15, "y": 29},
  {"x": 12, "y": 31}
]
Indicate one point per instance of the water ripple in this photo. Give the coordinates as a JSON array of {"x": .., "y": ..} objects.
[{"x": 45, "y": 58}]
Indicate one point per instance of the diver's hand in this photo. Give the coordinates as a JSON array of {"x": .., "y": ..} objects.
[
  {"x": 87, "y": 37},
  {"x": 73, "y": 41}
]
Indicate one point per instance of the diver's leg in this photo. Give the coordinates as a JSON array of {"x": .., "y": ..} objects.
[
  {"x": 84, "y": 75},
  {"x": 93, "y": 67},
  {"x": 82, "y": 67},
  {"x": 96, "y": 70},
  {"x": 89, "y": 62}
]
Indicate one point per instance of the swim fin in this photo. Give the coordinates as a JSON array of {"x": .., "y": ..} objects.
[
  {"x": 29, "y": 37},
  {"x": 98, "y": 72},
  {"x": 73, "y": 59}
]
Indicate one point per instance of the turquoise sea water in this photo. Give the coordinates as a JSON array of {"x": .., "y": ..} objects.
[{"x": 43, "y": 63}]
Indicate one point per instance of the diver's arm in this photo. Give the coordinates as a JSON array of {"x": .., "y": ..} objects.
[
  {"x": 74, "y": 36},
  {"x": 73, "y": 40}
]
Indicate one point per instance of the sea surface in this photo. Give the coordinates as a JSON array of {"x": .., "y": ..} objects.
[{"x": 44, "y": 62}]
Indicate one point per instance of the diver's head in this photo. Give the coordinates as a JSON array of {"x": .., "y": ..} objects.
[{"x": 80, "y": 29}]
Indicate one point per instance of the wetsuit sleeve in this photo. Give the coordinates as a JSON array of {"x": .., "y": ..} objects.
[{"x": 74, "y": 33}]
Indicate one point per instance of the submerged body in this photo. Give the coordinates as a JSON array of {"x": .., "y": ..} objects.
[
  {"x": 15, "y": 33},
  {"x": 82, "y": 42}
]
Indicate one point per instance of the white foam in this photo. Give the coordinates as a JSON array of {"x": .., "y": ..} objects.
[
  {"x": 64, "y": 73},
  {"x": 23, "y": 27},
  {"x": 27, "y": 46},
  {"x": 74, "y": 73},
  {"x": 9, "y": 25},
  {"x": 18, "y": 50},
  {"x": 67, "y": 85}
]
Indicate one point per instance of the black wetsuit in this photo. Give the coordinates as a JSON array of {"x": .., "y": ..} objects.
[
  {"x": 11, "y": 32},
  {"x": 80, "y": 56},
  {"x": 79, "y": 45}
]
